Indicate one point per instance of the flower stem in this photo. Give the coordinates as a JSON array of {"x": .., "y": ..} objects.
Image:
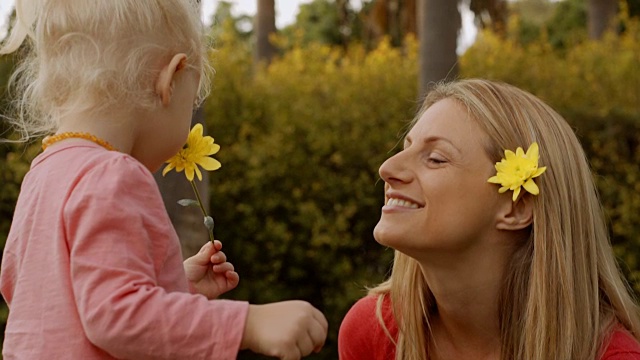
[{"x": 204, "y": 212}]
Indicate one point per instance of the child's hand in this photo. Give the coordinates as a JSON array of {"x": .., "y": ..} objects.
[
  {"x": 287, "y": 330},
  {"x": 209, "y": 272}
]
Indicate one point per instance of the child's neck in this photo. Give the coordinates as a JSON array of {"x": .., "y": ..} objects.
[{"x": 119, "y": 130}]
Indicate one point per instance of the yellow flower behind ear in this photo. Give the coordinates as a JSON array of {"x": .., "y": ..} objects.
[
  {"x": 517, "y": 171},
  {"x": 195, "y": 153}
]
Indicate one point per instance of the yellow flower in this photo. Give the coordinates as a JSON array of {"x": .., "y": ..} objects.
[
  {"x": 518, "y": 170},
  {"x": 195, "y": 153}
]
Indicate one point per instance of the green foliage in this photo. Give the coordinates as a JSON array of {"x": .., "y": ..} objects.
[
  {"x": 240, "y": 26},
  {"x": 325, "y": 22},
  {"x": 613, "y": 145},
  {"x": 563, "y": 23},
  {"x": 568, "y": 23},
  {"x": 590, "y": 77},
  {"x": 596, "y": 86},
  {"x": 320, "y": 22},
  {"x": 297, "y": 196},
  {"x": 14, "y": 164},
  {"x": 298, "y": 193}
]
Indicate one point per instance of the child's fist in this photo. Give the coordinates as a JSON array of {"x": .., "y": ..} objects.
[{"x": 209, "y": 272}]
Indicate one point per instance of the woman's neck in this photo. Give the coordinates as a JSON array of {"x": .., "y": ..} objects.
[{"x": 466, "y": 288}]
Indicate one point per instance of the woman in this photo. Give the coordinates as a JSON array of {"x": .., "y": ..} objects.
[{"x": 519, "y": 270}]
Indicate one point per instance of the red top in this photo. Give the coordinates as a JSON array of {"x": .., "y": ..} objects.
[{"x": 362, "y": 337}]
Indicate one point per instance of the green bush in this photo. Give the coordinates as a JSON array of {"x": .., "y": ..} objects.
[
  {"x": 599, "y": 78},
  {"x": 298, "y": 193},
  {"x": 596, "y": 86}
]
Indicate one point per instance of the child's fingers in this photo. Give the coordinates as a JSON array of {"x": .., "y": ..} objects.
[
  {"x": 205, "y": 247},
  {"x": 203, "y": 256},
  {"x": 217, "y": 245},
  {"x": 218, "y": 258},
  {"x": 233, "y": 278},
  {"x": 224, "y": 267}
]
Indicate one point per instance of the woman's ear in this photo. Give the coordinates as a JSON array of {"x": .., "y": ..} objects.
[
  {"x": 515, "y": 215},
  {"x": 164, "y": 83}
]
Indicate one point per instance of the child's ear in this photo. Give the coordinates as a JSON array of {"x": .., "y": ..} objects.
[
  {"x": 515, "y": 215},
  {"x": 164, "y": 83}
]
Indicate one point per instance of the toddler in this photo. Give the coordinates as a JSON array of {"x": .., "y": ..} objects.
[{"x": 92, "y": 267}]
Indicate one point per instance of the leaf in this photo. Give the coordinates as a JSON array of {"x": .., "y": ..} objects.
[
  {"x": 188, "y": 202},
  {"x": 208, "y": 222}
]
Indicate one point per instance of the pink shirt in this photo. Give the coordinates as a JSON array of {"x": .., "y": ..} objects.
[
  {"x": 92, "y": 268},
  {"x": 361, "y": 336}
]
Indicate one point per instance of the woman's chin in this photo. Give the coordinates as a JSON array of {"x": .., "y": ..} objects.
[{"x": 384, "y": 236}]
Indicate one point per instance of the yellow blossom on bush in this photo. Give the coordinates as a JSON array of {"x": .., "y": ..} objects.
[
  {"x": 517, "y": 170},
  {"x": 195, "y": 153}
]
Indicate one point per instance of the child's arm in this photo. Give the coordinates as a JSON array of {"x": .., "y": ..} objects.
[
  {"x": 286, "y": 330},
  {"x": 117, "y": 259},
  {"x": 209, "y": 272},
  {"x": 127, "y": 274}
]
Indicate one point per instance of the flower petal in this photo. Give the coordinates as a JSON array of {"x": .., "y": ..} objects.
[
  {"x": 508, "y": 154},
  {"x": 531, "y": 187},
  {"x": 208, "y": 163},
  {"x": 539, "y": 171},
  {"x": 533, "y": 152},
  {"x": 213, "y": 149},
  {"x": 196, "y": 130},
  {"x": 516, "y": 192},
  {"x": 167, "y": 169},
  {"x": 188, "y": 171}
]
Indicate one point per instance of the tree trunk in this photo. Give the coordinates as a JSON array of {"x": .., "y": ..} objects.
[
  {"x": 601, "y": 12},
  {"x": 345, "y": 23},
  {"x": 438, "y": 25},
  {"x": 188, "y": 221},
  {"x": 265, "y": 25}
]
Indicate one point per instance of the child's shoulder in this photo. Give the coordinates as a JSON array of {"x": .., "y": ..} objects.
[
  {"x": 88, "y": 157},
  {"x": 92, "y": 167}
]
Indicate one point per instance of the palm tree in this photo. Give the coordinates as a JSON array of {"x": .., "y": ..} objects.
[
  {"x": 438, "y": 25},
  {"x": 265, "y": 25},
  {"x": 601, "y": 12}
]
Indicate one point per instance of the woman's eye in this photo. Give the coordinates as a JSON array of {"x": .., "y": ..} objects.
[{"x": 436, "y": 160}]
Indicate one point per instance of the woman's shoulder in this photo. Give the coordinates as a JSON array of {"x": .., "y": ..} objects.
[
  {"x": 621, "y": 345},
  {"x": 362, "y": 336}
]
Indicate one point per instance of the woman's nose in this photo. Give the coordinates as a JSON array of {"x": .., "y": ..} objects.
[{"x": 394, "y": 170}]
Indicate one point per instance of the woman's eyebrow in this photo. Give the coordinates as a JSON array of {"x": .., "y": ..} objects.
[{"x": 433, "y": 139}]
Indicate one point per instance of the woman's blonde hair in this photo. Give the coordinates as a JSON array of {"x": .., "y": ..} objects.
[
  {"x": 563, "y": 290},
  {"x": 87, "y": 56}
]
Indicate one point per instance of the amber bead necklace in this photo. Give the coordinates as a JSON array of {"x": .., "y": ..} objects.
[{"x": 52, "y": 139}]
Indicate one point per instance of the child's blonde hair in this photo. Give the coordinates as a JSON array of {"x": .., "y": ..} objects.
[
  {"x": 87, "y": 56},
  {"x": 563, "y": 289}
]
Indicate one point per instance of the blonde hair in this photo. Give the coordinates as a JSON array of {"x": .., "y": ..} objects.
[
  {"x": 564, "y": 290},
  {"x": 87, "y": 56}
]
